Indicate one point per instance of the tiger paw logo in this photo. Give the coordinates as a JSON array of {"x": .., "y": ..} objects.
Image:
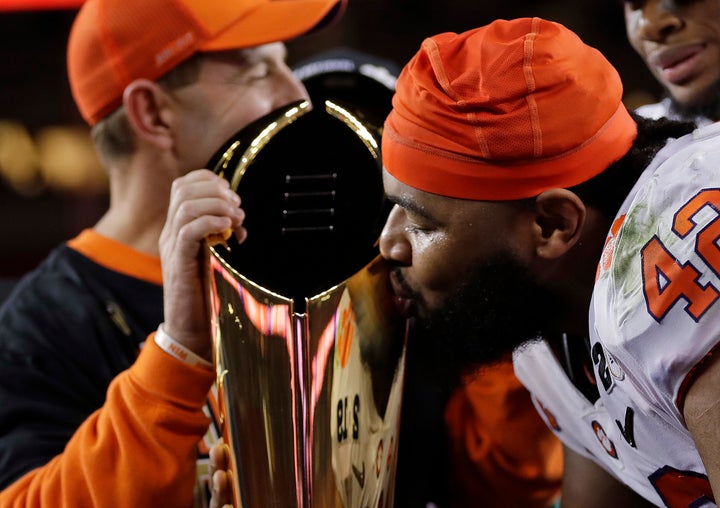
[
  {"x": 604, "y": 440},
  {"x": 609, "y": 248}
]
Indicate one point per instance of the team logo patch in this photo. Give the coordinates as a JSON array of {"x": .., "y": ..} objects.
[
  {"x": 609, "y": 248},
  {"x": 604, "y": 440}
]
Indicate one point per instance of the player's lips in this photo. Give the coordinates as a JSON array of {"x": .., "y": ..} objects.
[
  {"x": 402, "y": 296},
  {"x": 677, "y": 64}
]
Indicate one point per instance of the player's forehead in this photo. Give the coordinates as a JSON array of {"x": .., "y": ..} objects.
[{"x": 437, "y": 208}]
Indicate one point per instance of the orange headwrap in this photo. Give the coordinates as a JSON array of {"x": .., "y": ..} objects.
[{"x": 505, "y": 112}]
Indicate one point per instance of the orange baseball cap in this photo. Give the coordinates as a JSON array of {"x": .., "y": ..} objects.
[
  {"x": 505, "y": 112},
  {"x": 113, "y": 42}
]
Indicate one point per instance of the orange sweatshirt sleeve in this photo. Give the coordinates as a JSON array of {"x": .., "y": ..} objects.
[
  {"x": 503, "y": 454},
  {"x": 138, "y": 450}
]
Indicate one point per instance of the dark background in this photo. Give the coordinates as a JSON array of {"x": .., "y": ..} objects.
[{"x": 34, "y": 92}]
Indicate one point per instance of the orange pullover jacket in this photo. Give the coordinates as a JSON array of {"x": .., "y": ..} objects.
[{"x": 138, "y": 450}]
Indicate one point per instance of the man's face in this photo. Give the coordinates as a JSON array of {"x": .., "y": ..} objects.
[
  {"x": 233, "y": 89},
  {"x": 463, "y": 272},
  {"x": 680, "y": 43}
]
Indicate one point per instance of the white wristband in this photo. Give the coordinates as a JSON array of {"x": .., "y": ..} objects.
[{"x": 174, "y": 348}]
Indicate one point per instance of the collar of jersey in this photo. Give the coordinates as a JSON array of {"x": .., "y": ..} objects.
[{"x": 117, "y": 256}]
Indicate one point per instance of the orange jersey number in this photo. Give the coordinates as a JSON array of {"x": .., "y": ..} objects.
[{"x": 666, "y": 280}]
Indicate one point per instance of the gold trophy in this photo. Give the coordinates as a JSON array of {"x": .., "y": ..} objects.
[{"x": 309, "y": 350}]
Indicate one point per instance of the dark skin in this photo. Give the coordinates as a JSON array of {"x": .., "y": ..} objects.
[
  {"x": 432, "y": 240},
  {"x": 679, "y": 40},
  {"x": 556, "y": 237}
]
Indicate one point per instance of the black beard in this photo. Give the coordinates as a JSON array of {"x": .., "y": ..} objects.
[
  {"x": 708, "y": 106},
  {"x": 497, "y": 310}
]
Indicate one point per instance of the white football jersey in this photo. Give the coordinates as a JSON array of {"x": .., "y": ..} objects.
[
  {"x": 364, "y": 450},
  {"x": 654, "y": 316}
]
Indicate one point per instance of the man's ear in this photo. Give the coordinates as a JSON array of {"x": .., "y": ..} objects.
[
  {"x": 145, "y": 104},
  {"x": 559, "y": 221}
]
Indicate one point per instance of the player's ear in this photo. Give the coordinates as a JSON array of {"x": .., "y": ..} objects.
[
  {"x": 146, "y": 106},
  {"x": 559, "y": 220}
]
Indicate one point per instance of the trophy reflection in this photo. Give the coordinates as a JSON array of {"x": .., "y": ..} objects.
[{"x": 309, "y": 350}]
